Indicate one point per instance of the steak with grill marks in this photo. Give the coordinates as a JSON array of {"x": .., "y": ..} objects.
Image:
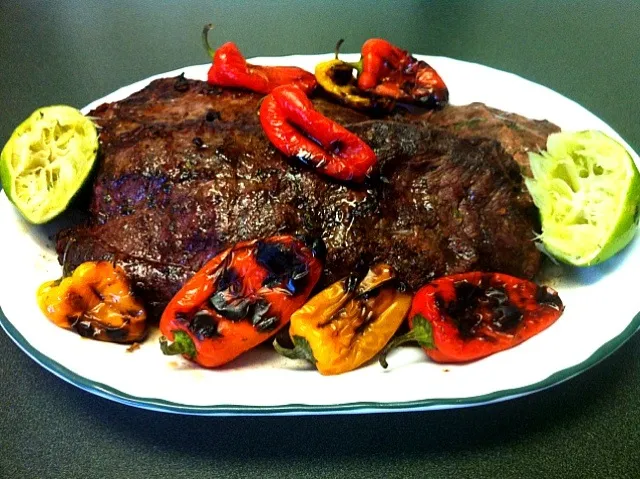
[{"x": 185, "y": 171}]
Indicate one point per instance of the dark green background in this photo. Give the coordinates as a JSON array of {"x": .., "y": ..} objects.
[{"x": 74, "y": 52}]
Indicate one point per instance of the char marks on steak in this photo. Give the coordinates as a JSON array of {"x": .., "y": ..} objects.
[{"x": 186, "y": 171}]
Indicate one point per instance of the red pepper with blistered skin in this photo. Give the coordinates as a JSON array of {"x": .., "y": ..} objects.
[
  {"x": 297, "y": 129},
  {"x": 469, "y": 316},
  {"x": 240, "y": 298},
  {"x": 389, "y": 71},
  {"x": 230, "y": 69}
]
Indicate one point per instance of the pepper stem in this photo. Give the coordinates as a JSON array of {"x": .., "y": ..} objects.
[
  {"x": 301, "y": 350},
  {"x": 421, "y": 332},
  {"x": 394, "y": 343},
  {"x": 205, "y": 39},
  {"x": 338, "y": 45},
  {"x": 356, "y": 65},
  {"x": 182, "y": 344}
]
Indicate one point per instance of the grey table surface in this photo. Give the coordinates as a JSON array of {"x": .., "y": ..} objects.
[{"x": 74, "y": 52}]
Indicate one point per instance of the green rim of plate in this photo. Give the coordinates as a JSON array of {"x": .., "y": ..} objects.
[{"x": 162, "y": 405}]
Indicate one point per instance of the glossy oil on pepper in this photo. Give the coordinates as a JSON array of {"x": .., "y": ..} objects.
[
  {"x": 469, "y": 316},
  {"x": 348, "y": 323},
  {"x": 240, "y": 298},
  {"x": 97, "y": 302},
  {"x": 297, "y": 129}
]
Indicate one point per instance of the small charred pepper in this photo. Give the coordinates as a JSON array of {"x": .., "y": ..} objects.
[
  {"x": 336, "y": 78},
  {"x": 240, "y": 298},
  {"x": 230, "y": 69},
  {"x": 469, "y": 316},
  {"x": 389, "y": 71},
  {"x": 348, "y": 323},
  {"x": 96, "y": 301},
  {"x": 329, "y": 147}
]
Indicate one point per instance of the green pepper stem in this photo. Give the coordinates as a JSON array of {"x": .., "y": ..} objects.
[
  {"x": 421, "y": 331},
  {"x": 356, "y": 65},
  {"x": 338, "y": 45},
  {"x": 301, "y": 350},
  {"x": 182, "y": 344},
  {"x": 205, "y": 39},
  {"x": 394, "y": 343}
]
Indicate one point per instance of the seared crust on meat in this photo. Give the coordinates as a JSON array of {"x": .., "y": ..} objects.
[{"x": 186, "y": 171}]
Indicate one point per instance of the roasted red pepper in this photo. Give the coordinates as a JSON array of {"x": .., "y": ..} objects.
[
  {"x": 230, "y": 69},
  {"x": 469, "y": 316},
  {"x": 389, "y": 71},
  {"x": 329, "y": 147},
  {"x": 240, "y": 298}
]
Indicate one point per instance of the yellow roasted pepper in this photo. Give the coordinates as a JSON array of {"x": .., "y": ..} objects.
[
  {"x": 348, "y": 323},
  {"x": 336, "y": 78},
  {"x": 96, "y": 301}
]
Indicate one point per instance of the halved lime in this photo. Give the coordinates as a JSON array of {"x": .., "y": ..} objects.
[
  {"x": 587, "y": 189},
  {"x": 46, "y": 161}
]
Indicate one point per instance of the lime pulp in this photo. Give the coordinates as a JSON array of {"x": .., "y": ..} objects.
[
  {"x": 587, "y": 189},
  {"x": 46, "y": 161}
]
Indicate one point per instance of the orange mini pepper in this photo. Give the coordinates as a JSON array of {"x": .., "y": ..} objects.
[{"x": 97, "y": 302}]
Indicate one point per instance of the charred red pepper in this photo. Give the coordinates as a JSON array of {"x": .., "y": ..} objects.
[
  {"x": 469, "y": 316},
  {"x": 329, "y": 147},
  {"x": 240, "y": 298},
  {"x": 230, "y": 69},
  {"x": 389, "y": 71}
]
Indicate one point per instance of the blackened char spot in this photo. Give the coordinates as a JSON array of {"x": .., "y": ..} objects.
[
  {"x": 84, "y": 328},
  {"x": 259, "y": 310},
  {"x": 227, "y": 300},
  {"x": 497, "y": 294},
  {"x": 283, "y": 265},
  {"x": 506, "y": 317},
  {"x": 230, "y": 307},
  {"x": 483, "y": 302},
  {"x": 204, "y": 325},
  {"x": 549, "y": 297},
  {"x": 117, "y": 334},
  {"x": 463, "y": 309},
  {"x": 267, "y": 324},
  {"x": 230, "y": 280}
]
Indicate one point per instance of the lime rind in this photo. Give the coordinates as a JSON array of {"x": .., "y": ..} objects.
[
  {"x": 46, "y": 161},
  {"x": 587, "y": 189}
]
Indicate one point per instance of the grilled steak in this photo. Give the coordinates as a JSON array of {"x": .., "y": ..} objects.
[
  {"x": 187, "y": 171},
  {"x": 516, "y": 134}
]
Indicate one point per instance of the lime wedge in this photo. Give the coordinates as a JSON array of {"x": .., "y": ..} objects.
[
  {"x": 587, "y": 189},
  {"x": 46, "y": 161}
]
